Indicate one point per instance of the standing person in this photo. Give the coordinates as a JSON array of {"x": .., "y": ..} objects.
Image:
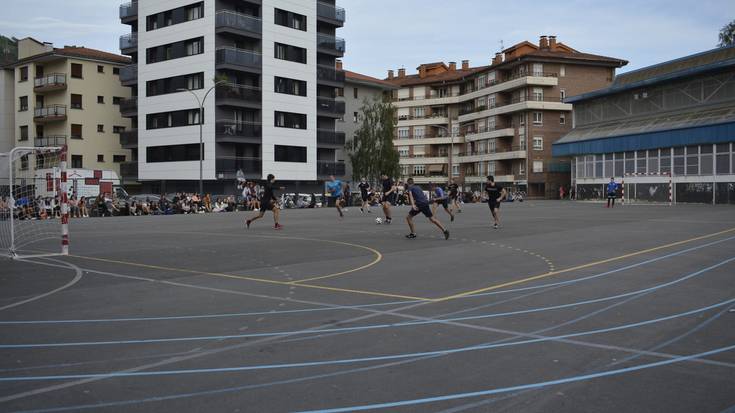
[
  {"x": 268, "y": 203},
  {"x": 389, "y": 192},
  {"x": 440, "y": 198},
  {"x": 495, "y": 195},
  {"x": 561, "y": 192},
  {"x": 335, "y": 187},
  {"x": 612, "y": 188},
  {"x": 365, "y": 195},
  {"x": 420, "y": 205},
  {"x": 454, "y": 195}
]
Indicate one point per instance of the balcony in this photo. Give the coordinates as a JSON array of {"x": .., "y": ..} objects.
[
  {"x": 227, "y": 167},
  {"x": 129, "y": 75},
  {"x": 51, "y": 113},
  {"x": 233, "y": 131},
  {"x": 239, "y": 23},
  {"x": 545, "y": 79},
  {"x": 479, "y": 179},
  {"x": 331, "y": 14},
  {"x": 488, "y": 133},
  {"x": 50, "y": 141},
  {"x": 330, "y": 44},
  {"x": 129, "y": 43},
  {"x": 515, "y": 152},
  {"x": 326, "y": 168},
  {"x": 129, "y": 171},
  {"x": 330, "y": 107},
  {"x": 129, "y": 107},
  {"x": 238, "y": 95},
  {"x": 515, "y": 105},
  {"x": 49, "y": 83},
  {"x": 129, "y": 139},
  {"x": 330, "y": 75},
  {"x": 129, "y": 12},
  {"x": 330, "y": 138},
  {"x": 237, "y": 59}
]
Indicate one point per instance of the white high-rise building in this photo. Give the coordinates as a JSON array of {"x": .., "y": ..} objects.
[{"x": 272, "y": 67}]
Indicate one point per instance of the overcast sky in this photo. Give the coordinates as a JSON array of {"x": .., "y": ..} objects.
[{"x": 383, "y": 34}]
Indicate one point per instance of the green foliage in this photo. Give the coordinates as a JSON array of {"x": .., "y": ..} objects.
[
  {"x": 371, "y": 150},
  {"x": 727, "y": 35},
  {"x": 8, "y": 50}
]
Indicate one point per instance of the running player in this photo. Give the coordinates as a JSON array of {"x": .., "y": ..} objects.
[
  {"x": 440, "y": 198},
  {"x": 335, "y": 188},
  {"x": 495, "y": 195},
  {"x": 420, "y": 205},
  {"x": 454, "y": 195},
  {"x": 267, "y": 203},
  {"x": 365, "y": 194},
  {"x": 612, "y": 189},
  {"x": 389, "y": 192}
]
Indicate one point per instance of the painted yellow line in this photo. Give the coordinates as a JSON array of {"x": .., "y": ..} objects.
[{"x": 579, "y": 267}]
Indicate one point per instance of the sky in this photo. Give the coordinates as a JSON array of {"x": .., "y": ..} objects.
[{"x": 390, "y": 34}]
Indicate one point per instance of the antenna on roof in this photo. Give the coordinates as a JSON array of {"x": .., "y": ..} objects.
[{"x": 502, "y": 45}]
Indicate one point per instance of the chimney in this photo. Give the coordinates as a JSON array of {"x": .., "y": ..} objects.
[
  {"x": 498, "y": 59},
  {"x": 543, "y": 43},
  {"x": 552, "y": 42},
  {"x": 452, "y": 66},
  {"x": 390, "y": 75},
  {"x": 401, "y": 73},
  {"x": 422, "y": 71},
  {"x": 338, "y": 64},
  {"x": 465, "y": 64}
]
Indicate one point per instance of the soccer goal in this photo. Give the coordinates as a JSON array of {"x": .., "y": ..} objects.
[{"x": 34, "y": 211}]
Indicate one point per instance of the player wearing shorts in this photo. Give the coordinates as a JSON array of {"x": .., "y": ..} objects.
[
  {"x": 495, "y": 195},
  {"x": 612, "y": 188},
  {"x": 420, "y": 205},
  {"x": 454, "y": 195},
  {"x": 389, "y": 193},
  {"x": 440, "y": 198},
  {"x": 365, "y": 195},
  {"x": 267, "y": 203},
  {"x": 335, "y": 188}
]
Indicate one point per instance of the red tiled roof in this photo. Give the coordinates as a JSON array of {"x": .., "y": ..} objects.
[
  {"x": 349, "y": 75},
  {"x": 449, "y": 76},
  {"x": 81, "y": 52}
]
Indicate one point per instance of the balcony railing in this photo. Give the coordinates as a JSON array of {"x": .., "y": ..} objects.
[
  {"x": 129, "y": 106},
  {"x": 326, "y": 168},
  {"x": 489, "y": 151},
  {"x": 429, "y": 116},
  {"x": 50, "y": 141},
  {"x": 332, "y": 43},
  {"x": 245, "y": 93},
  {"x": 232, "y": 129},
  {"x": 129, "y": 75},
  {"x": 531, "y": 98},
  {"x": 50, "y": 113},
  {"x": 129, "y": 139},
  {"x": 233, "y": 20},
  {"x": 229, "y": 166},
  {"x": 129, "y": 10},
  {"x": 129, "y": 41},
  {"x": 484, "y": 129},
  {"x": 330, "y": 12},
  {"x": 331, "y": 106},
  {"x": 238, "y": 57},
  {"x": 489, "y": 83},
  {"x": 52, "y": 81},
  {"x": 330, "y": 137},
  {"x": 129, "y": 171},
  {"x": 329, "y": 74}
]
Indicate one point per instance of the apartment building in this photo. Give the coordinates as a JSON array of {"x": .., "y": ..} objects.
[
  {"x": 265, "y": 73},
  {"x": 7, "y": 109},
  {"x": 501, "y": 119},
  {"x": 70, "y": 96}
]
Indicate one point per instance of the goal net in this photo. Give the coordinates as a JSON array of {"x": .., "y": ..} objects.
[{"x": 34, "y": 212}]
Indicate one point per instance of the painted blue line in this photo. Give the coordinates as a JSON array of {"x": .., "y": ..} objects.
[
  {"x": 363, "y": 328},
  {"x": 524, "y": 386},
  {"x": 365, "y": 359}
]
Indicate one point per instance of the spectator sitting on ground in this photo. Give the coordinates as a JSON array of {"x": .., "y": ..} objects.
[
  {"x": 83, "y": 207},
  {"x": 74, "y": 207}
]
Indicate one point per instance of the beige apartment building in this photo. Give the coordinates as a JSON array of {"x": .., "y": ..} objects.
[
  {"x": 500, "y": 119},
  {"x": 71, "y": 96}
]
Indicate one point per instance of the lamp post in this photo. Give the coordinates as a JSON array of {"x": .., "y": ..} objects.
[{"x": 201, "y": 131}]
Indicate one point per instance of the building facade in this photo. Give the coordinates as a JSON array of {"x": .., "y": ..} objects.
[
  {"x": 70, "y": 96},
  {"x": 7, "y": 109},
  {"x": 671, "y": 123},
  {"x": 465, "y": 122},
  {"x": 271, "y": 68}
]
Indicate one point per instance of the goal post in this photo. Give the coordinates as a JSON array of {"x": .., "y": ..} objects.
[{"x": 34, "y": 202}]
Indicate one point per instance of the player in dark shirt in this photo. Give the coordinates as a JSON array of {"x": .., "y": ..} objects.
[
  {"x": 454, "y": 196},
  {"x": 495, "y": 195},
  {"x": 420, "y": 205},
  {"x": 365, "y": 195},
  {"x": 267, "y": 203},
  {"x": 612, "y": 188},
  {"x": 389, "y": 193},
  {"x": 440, "y": 198}
]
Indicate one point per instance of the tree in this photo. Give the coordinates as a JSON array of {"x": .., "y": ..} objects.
[
  {"x": 371, "y": 150},
  {"x": 727, "y": 35}
]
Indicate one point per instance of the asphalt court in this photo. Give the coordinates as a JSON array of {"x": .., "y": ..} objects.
[{"x": 567, "y": 307}]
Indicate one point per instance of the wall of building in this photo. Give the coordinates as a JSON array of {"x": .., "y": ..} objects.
[
  {"x": 348, "y": 124},
  {"x": 7, "y": 110}
]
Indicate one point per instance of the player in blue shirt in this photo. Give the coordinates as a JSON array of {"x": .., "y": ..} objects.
[
  {"x": 440, "y": 198},
  {"x": 612, "y": 189},
  {"x": 335, "y": 187},
  {"x": 420, "y": 205}
]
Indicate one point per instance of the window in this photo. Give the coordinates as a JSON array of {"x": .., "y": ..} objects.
[
  {"x": 538, "y": 118},
  {"x": 418, "y": 132},
  {"x": 285, "y": 153},
  {"x": 290, "y": 53},
  {"x": 538, "y": 94},
  {"x": 23, "y": 133},
  {"x": 24, "y": 162},
  {"x": 39, "y": 131},
  {"x": 419, "y": 112},
  {"x": 679, "y": 161},
  {"x": 100, "y": 99},
  {"x": 538, "y": 69},
  {"x": 290, "y": 19},
  {"x": 101, "y": 128},
  {"x": 562, "y": 71},
  {"x": 355, "y": 93},
  {"x": 562, "y": 94},
  {"x": 76, "y": 70},
  {"x": 23, "y": 74},
  {"x": 175, "y": 50},
  {"x": 101, "y": 158},
  {"x": 455, "y": 170},
  {"x": 115, "y": 70},
  {"x": 665, "y": 160},
  {"x": 76, "y": 131},
  {"x": 76, "y": 101},
  {"x": 118, "y": 129},
  {"x": 706, "y": 160},
  {"x": 194, "y": 47},
  {"x": 100, "y": 69},
  {"x": 403, "y": 133},
  {"x": 562, "y": 119},
  {"x": 419, "y": 170},
  {"x": 175, "y": 16},
  {"x": 173, "y": 153},
  {"x": 116, "y": 100},
  {"x": 118, "y": 158},
  {"x": 194, "y": 81},
  {"x": 355, "y": 117},
  {"x": 194, "y": 12},
  {"x": 723, "y": 159},
  {"x": 23, "y": 103},
  {"x": 290, "y": 86},
  {"x": 174, "y": 119},
  {"x": 538, "y": 144},
  {"x": 290, "y": 120},
  {"x": 692, "y": 160},
  {"x": 403, "y": 152},
  {"x": 76, "y": 162},
  {"x": 538, "y": 167}
]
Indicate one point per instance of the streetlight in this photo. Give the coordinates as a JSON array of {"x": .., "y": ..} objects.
[{"x": 201, "y": 132}]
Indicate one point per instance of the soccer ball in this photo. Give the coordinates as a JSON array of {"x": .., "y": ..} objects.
[{"x": 378, "y": 221}]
